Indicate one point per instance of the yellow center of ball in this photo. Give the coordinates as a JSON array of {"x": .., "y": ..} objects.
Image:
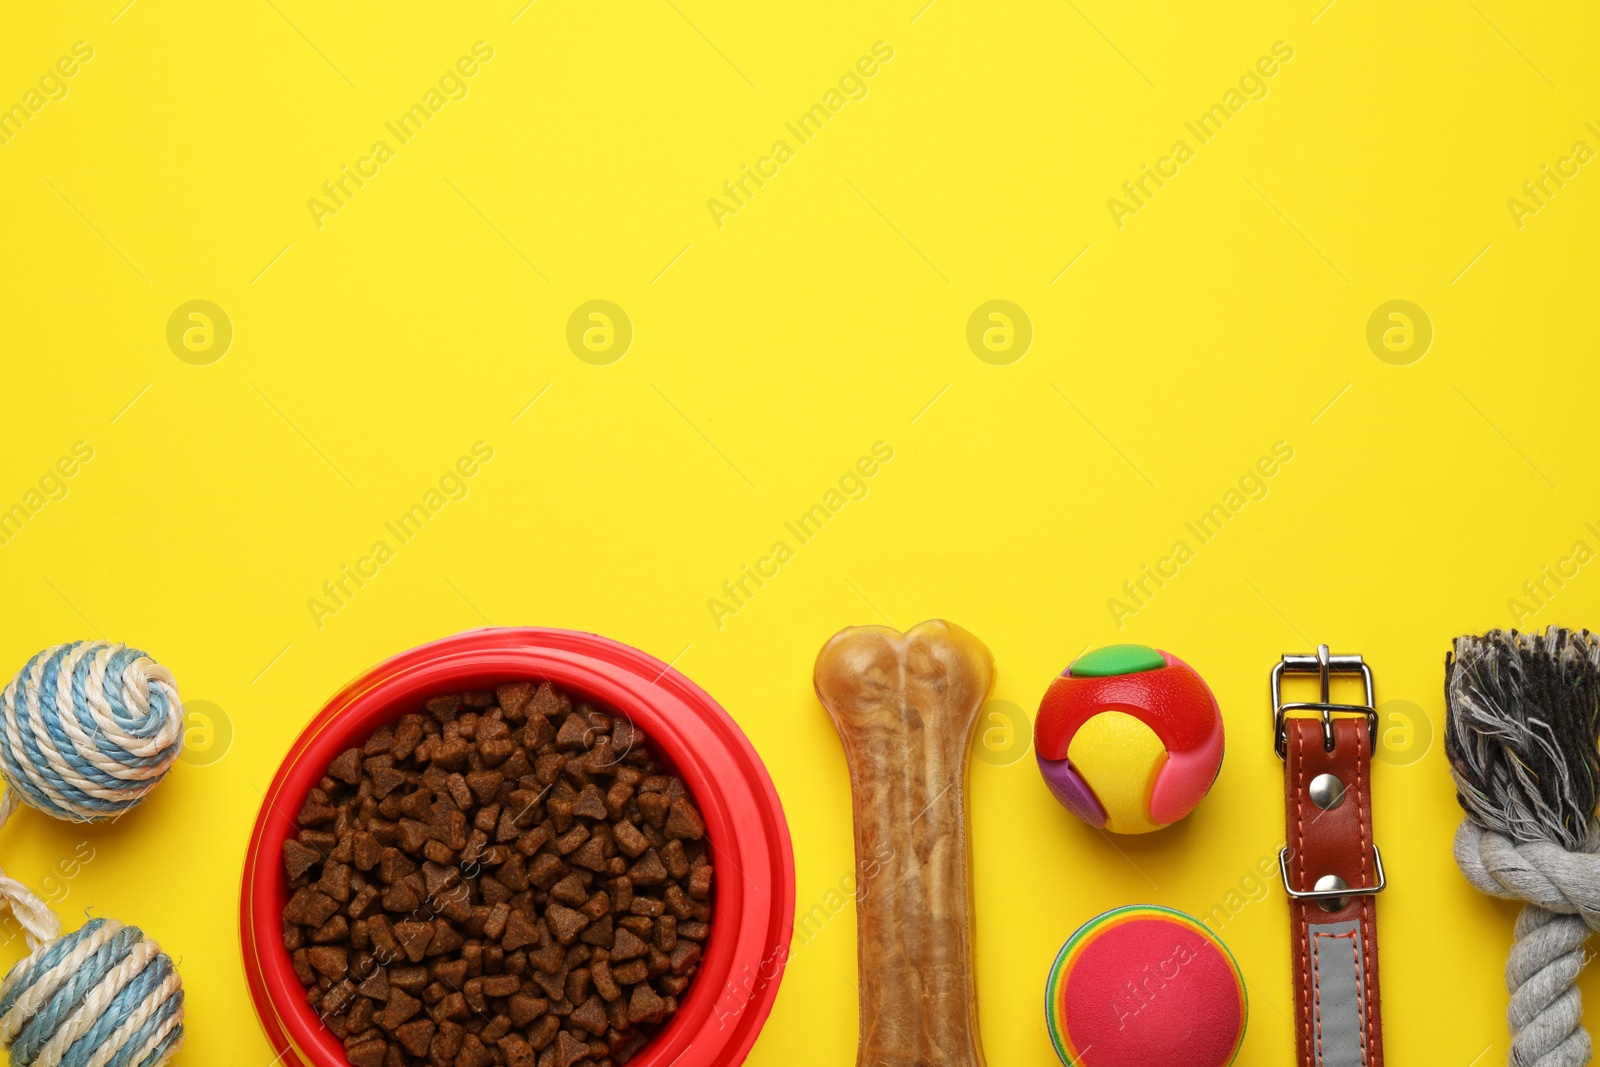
[{"x": 1119, "y": 757}]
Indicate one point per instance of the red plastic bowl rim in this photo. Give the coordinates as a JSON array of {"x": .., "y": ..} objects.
[{"x": 752, "y": 922}]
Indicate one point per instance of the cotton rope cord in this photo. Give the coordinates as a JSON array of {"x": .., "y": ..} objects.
[
  {"x": 39, "y": 924},
  {"x": 1523, "y": 737}
]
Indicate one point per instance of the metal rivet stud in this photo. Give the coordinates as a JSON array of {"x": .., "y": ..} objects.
[
  {"x": 1332, "y": 883},
  {"x": 1327, "y": 791}
]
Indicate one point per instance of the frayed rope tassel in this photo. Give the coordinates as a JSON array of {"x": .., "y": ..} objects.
[{"x": 1523, "y": 738}]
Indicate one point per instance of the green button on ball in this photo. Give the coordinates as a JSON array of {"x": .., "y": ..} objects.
[{"x": 1116, "y": 659}]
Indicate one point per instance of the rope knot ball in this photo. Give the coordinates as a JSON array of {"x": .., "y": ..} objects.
[
  {"x": 104, "y": 995},
  {"x": 87, "y": 730}
]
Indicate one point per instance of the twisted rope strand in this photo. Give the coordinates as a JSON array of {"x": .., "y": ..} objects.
[
  {"x": 1546, "y": 1009},
  {"x": 39, "y": 924}
]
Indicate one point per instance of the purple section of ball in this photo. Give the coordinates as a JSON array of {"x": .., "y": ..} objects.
[{"x": 1072, "y": 791}]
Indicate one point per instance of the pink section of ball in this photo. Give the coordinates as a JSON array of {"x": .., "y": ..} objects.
[{"x": 1186, "y": 778}]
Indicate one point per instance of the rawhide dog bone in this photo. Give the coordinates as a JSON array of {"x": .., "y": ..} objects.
[{"x": 905, "y": 706}]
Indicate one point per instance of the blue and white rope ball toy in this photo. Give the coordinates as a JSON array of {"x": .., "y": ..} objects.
[{"x": 86, "y": 731}]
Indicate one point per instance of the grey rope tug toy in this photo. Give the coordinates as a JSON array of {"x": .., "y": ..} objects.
[{"x": 1523, "y": 738}]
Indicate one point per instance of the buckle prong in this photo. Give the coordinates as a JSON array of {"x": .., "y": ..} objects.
[{"x": 1325, "y": 665}]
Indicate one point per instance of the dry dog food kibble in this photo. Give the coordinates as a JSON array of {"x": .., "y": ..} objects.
[{"x": 502, "y": 878}]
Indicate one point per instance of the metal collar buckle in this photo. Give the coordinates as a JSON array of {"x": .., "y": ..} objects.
[{"x": 1325, "y": 665}]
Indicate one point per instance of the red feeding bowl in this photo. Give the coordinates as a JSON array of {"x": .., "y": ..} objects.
[{"x": 752, "y": 904}]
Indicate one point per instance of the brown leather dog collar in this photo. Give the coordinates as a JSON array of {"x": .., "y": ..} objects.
[{"x": 1331, "y": 865}]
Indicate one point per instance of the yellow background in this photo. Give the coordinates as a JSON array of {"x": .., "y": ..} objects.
[{"x": 829, "y": 313}]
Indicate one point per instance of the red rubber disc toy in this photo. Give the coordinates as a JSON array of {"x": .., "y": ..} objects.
[{"x": 1144, "y": 986}]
